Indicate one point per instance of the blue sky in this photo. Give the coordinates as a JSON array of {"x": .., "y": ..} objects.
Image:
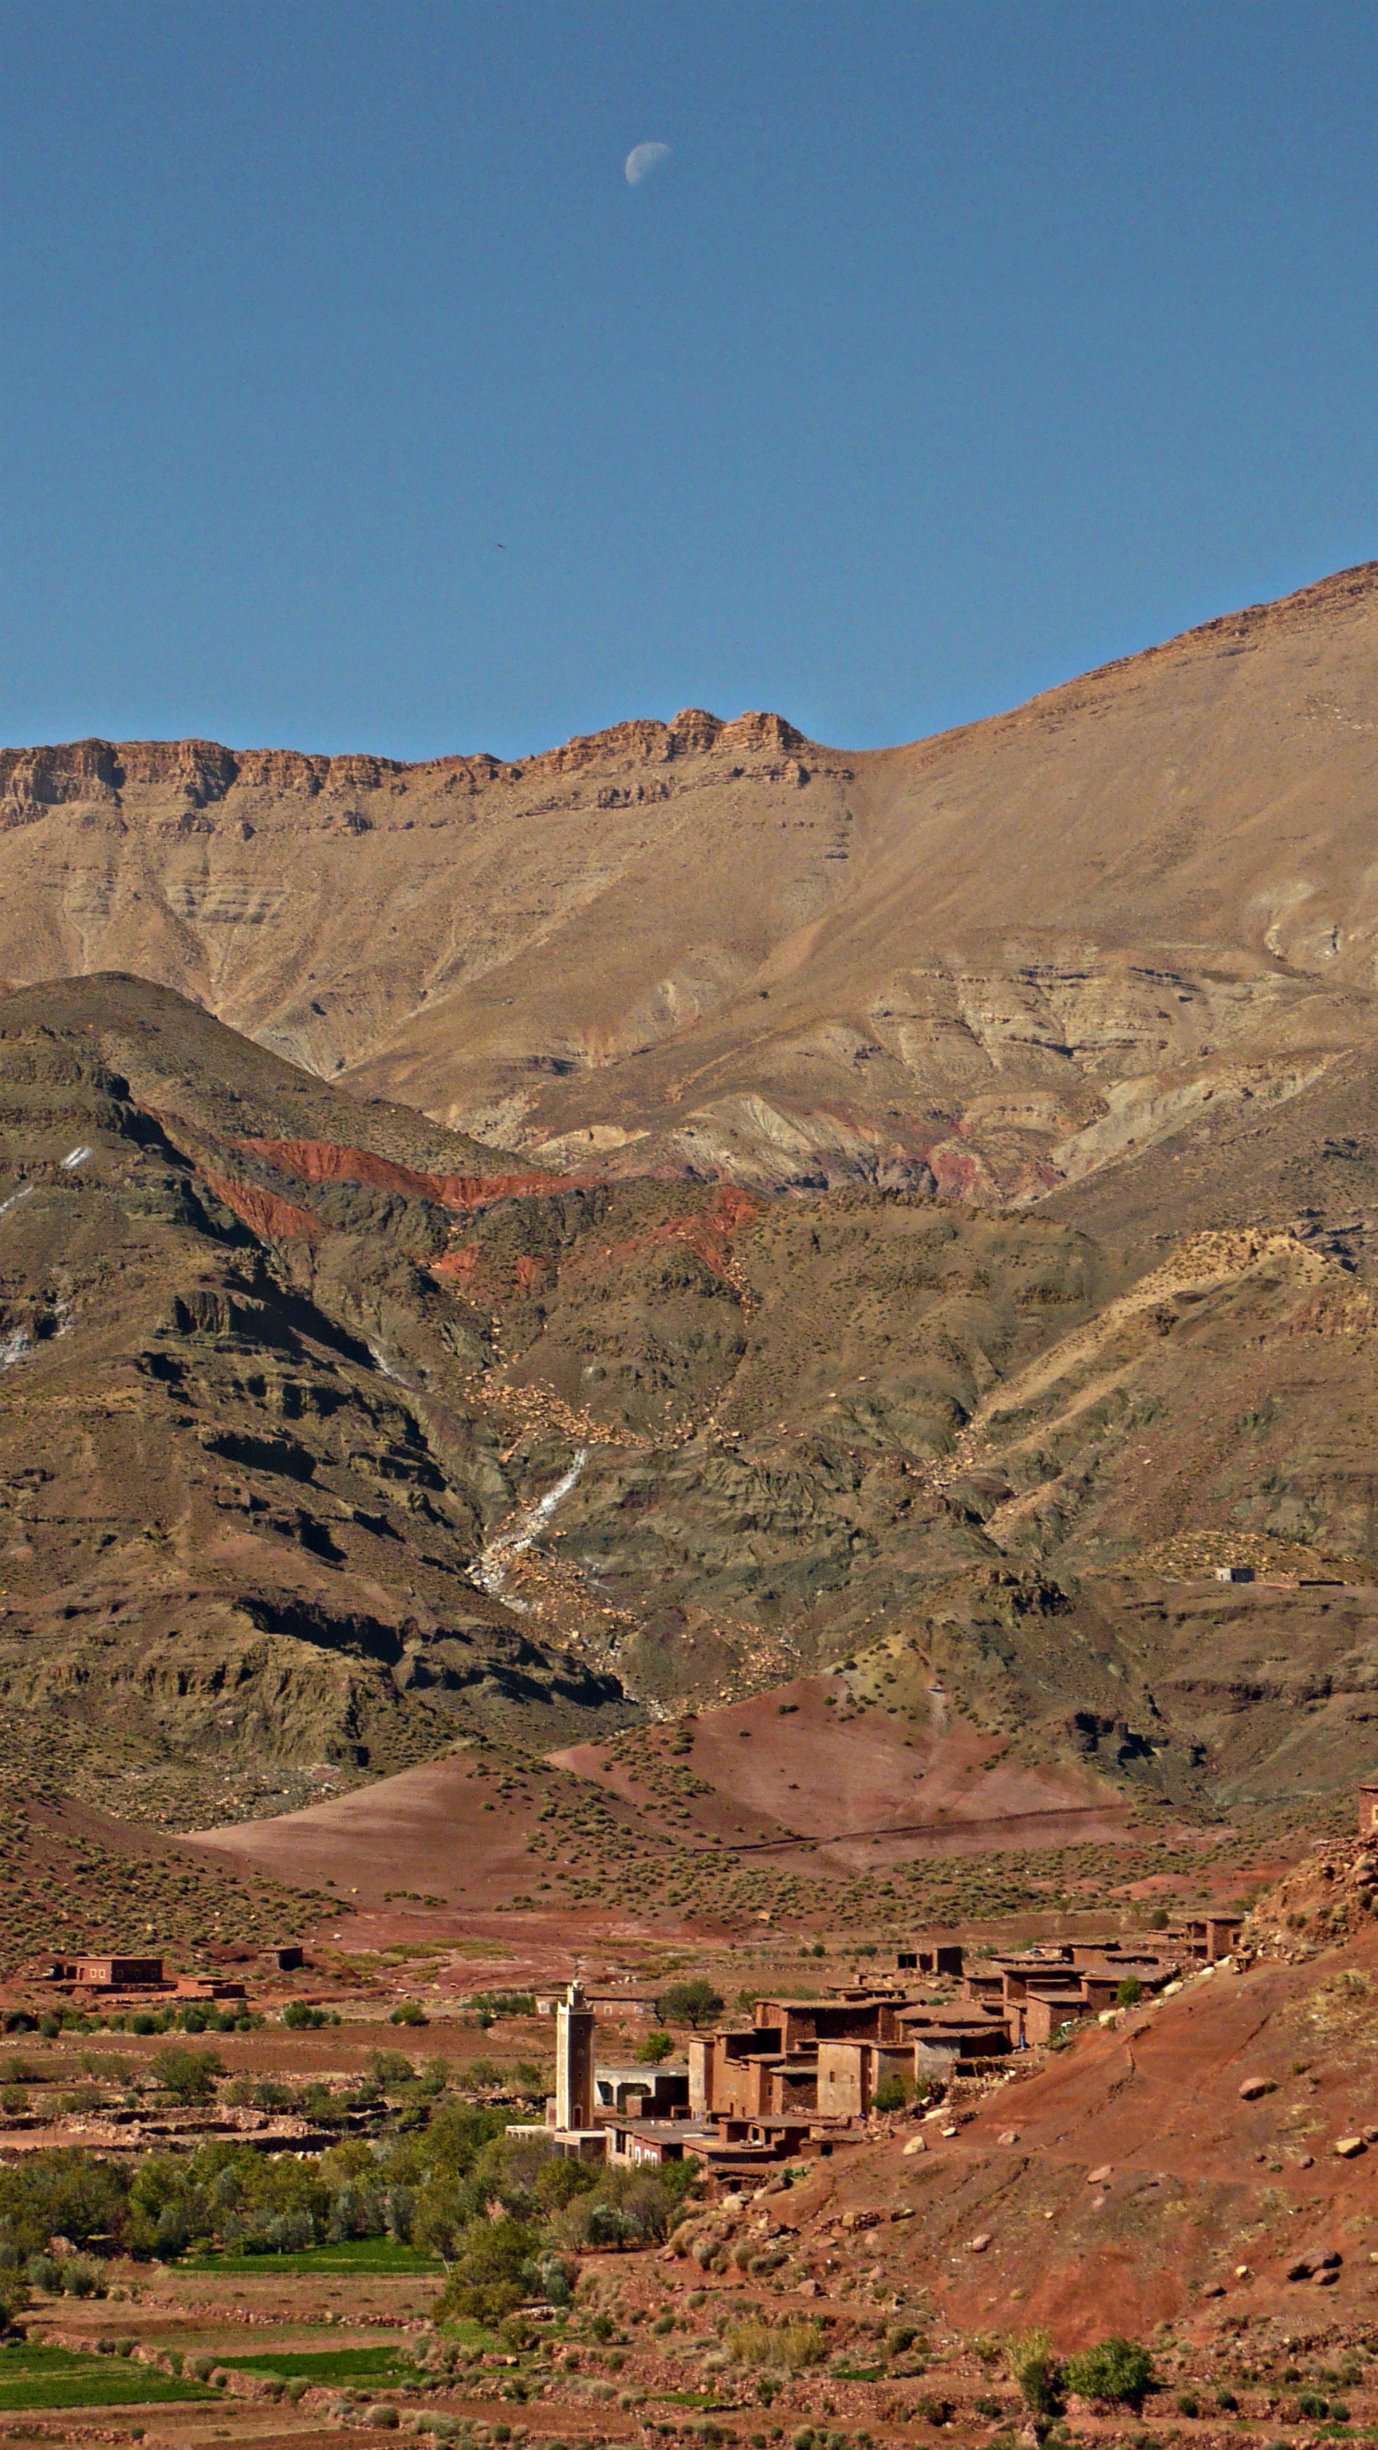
[{"x": 953, "y": 350}]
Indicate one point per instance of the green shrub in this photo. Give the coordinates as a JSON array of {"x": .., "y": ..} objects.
[
  {"x": 189, "y": 2075},
  {"x": 408, "y": 2012},
  {"x": 1036, "y": 2373},
  {"x": 893, "y": 2092},
  {"x": 14, "y": 2300},
  {"x": 1116, "y": 2371},
  {"x": 657, "y": 2046},
  {"x": 82, "y": 2278},
  {"x": 299, "y": 2016},
  {"x": 1130, "y": 1992},
  {"x": 491, "y": 2275}
]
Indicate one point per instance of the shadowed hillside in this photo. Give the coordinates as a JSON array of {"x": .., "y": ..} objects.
[{"x": 329, "y": 1438}]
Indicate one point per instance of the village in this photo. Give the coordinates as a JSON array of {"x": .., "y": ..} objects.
[
  {"x": 805, "y": 2074},
  {"x": 868, "y": 2193}
]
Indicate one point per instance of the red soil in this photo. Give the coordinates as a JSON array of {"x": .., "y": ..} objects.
[
  {"x": 427, "y": 1826},
  {"x": 1190, "y": 2181},
  {"x": 278, "y": 1220},
  {"x": 325, "y": 1161},
  {"x": 798, "y": 1763},
  {"x": 708, "y": 1235}
]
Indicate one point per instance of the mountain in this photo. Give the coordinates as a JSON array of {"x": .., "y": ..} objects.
[
  {"x": 404, "y": 1340},
  {"x": 993, "y": 963},
  {"x": 329, "y": 1439},
  {"x": 235, "y": 1533}
]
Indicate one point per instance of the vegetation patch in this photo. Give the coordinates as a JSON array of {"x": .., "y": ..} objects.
[
  {"x": 326, "y": 2364},
  {"x": 370, "y": 2257},
  {"x": 32, "y": 2376}
]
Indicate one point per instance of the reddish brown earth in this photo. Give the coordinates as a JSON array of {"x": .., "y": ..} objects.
[
  {"x": 426, "y": 1825},
  {"x": 1126, "y": 2178},
  {"x": 790, "y": 1776},
  {"x": 264, "y": 1212},
  {"x": 856, "y": 1786},
  {"x": 324, "y": 1161}
]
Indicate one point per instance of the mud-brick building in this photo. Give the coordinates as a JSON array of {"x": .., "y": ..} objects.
[
  {"x": 113, "y": 1973},
  {"x": 641, "y": 2092},
  {"x": 1368, "y": 1808},
  {"x": 1213, "y": 1936},
  {"x": 849, "y": 2074},
  {"x": 935, "y": 1958},
  {"x": 952, "y": 2041},
  {"x": 770, "y": 2068}
]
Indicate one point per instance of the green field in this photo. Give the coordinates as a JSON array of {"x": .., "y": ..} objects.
[
  {"x": 327, "y": 2364},
  {"x": 38, "y": 2377},
  {"x": 471, "y": 2335},
  {"x": 377, "y": 2257}
]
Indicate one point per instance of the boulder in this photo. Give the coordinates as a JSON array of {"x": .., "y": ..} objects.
[{"x": 1253, "y": 2088}]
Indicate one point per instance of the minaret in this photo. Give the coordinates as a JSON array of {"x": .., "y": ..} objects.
[{"x": 573, "y": 2062}]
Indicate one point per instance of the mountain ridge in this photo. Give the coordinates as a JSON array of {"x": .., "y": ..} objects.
[{"x": 93, "y": 757}]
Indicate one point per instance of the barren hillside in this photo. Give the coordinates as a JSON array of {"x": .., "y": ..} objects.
[
  {"x": 328, "y": 1437},
  {"x": 995, "y": 961}
]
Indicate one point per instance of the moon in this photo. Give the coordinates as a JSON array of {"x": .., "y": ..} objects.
[{"x": 642, "y": 160}]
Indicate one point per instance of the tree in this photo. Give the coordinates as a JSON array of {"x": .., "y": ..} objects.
[
  {"x": 492, "y": 2273},
  {"x": 657, "y": 2046},
  {"x": 1116, "y": 2371},
  {"x": 14, "y": 2300},
  {"x": 689, "y": 2003},
  {"x": 189, "y": 2075},
  {"x": 1130, "y": 1992}
]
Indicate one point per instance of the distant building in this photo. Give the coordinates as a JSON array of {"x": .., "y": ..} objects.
[
  {"x": 940, "y": 1957},
  {"x": 803, "y": 2077},
  {"x": 1234, "y": 1573},
  {"x": 642, "y": 2092},
  {"x": 108, "y": 1973},
  {"x": 574, "y": 2063}
]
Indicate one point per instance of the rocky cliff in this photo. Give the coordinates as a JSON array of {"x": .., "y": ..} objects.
[{"x": 992, "y": 964}]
